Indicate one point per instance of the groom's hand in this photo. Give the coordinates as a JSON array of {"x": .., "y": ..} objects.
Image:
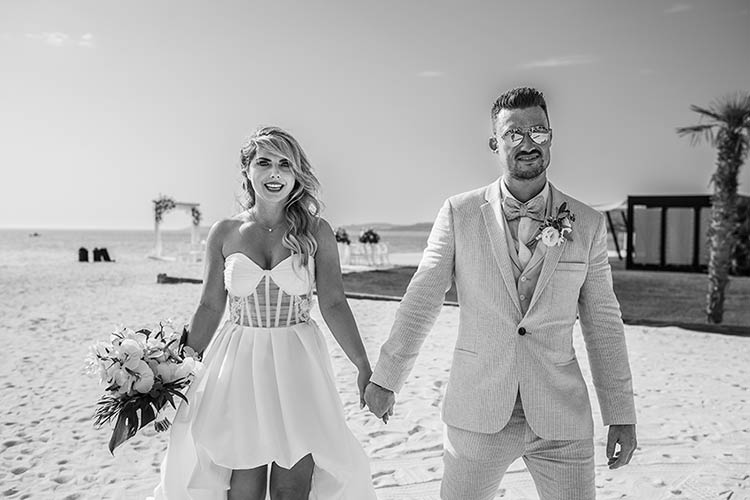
[
  {"x": 380, "y": 401},
  {"x": 624, "y": 435}
]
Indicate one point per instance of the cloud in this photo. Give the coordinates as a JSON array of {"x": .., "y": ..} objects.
[
  {"x": 556, "y": 62},
  {"x": 54, "y": 38},
  {"x": 86, "y": 40},
  {"x": 678, "y": 8},
  {"x": 58, "y": 39},
  {"x": 430, "y": 74}
]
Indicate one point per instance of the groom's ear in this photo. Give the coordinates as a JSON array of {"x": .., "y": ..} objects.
[{"x": 493, "y": 144}]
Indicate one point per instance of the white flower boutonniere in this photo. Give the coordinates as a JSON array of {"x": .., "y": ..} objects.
[{"x": 553, "y": 230}]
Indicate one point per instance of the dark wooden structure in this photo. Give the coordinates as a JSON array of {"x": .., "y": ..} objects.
[{"x": 693, "y": 240}]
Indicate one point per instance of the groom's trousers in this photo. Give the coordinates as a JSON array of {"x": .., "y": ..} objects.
[{"x": 474, "y": 463}]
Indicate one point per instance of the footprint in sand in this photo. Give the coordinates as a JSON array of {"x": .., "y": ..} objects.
[
  {"x": 73, "y": 496},
  {"x": 11, "y": 443},
  {"x": 62, "y": 479},
  {"x": 377, "y": 434},
  {"x": 19, "y": 470},
  {"x": 10, "y": 492},
  {"x": 383, "y": 473}
]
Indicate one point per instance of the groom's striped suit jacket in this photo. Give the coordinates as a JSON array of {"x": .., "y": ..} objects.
[{"x": 500, "y": 350}]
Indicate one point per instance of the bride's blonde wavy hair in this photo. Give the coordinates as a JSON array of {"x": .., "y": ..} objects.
[{"x": 302, "y": 208}]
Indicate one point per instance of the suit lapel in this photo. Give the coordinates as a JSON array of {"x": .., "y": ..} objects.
[
  {"x": 497, "y": 240},
  {"x": 553, "y": 254}
]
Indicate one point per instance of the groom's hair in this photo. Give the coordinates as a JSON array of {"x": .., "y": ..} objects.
[{"x": 518, "y": 98}]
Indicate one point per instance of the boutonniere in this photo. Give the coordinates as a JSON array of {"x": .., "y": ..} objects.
[{"x": 553, "y": 230}]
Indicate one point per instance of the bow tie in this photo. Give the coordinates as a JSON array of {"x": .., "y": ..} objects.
[{"x": 533, "y": 209}]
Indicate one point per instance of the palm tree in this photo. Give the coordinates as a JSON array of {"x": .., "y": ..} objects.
[{"x": 726, "y": 127}]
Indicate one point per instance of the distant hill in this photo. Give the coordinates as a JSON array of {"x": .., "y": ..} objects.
[{"x": 385, "y": 226}]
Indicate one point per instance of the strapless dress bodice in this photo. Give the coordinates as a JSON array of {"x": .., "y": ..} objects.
[
  {"x": 268, "y": 298},
  {"x": 242, "y": 275}
]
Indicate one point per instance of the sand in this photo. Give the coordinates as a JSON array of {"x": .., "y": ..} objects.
[{"x": 691, "y": 390}]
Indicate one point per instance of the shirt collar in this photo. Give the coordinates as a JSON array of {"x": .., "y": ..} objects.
[{"x": 506, "y": 192}]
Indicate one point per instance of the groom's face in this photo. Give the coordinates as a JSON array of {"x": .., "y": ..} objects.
[{"x": 526, "y": 160}]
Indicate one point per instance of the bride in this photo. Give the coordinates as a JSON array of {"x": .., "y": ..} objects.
[{"x": 267, "y": 396}]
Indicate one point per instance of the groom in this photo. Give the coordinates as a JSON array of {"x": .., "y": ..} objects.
[{"x": 515, "y": 388}]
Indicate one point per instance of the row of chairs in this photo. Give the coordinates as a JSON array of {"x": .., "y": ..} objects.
[{"x": 364, "y": 254}]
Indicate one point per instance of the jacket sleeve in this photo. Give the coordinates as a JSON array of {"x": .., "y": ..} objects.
[
  {"x": 420, "y": 306},
  {"x": 604, "y": 335}
]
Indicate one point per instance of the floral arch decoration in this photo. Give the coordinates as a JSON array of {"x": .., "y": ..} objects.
[{"x": 164, "y": 204}]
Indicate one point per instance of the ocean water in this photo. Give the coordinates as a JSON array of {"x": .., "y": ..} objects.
[{"x": 18, "y": 247}]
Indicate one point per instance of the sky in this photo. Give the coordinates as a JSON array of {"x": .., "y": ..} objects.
[{"x": 105, "y": 105}]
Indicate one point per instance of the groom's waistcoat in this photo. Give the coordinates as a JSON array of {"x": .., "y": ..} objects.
[
  {"x": 525, "y": 277},
  {"x": 504, "y": 346}
]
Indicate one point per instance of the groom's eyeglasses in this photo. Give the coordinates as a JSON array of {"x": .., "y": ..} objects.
[{"x": 514, "y": 137}]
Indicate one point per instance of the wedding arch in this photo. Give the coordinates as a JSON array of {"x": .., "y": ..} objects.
[{"x": 165, "y": 204}]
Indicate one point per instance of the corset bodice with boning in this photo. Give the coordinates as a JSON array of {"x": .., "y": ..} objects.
[{"x": 268, "y": 298}]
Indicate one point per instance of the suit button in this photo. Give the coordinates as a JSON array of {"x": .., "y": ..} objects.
[{"x": 522, "y": 331}]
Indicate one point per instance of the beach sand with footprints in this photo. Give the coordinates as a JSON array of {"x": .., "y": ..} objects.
[{"x": 692, "y": 396}]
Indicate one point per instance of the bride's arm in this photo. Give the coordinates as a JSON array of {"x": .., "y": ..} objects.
[
  {"x": 333, "y": 305},
  {"x": 213, "y": 296}
]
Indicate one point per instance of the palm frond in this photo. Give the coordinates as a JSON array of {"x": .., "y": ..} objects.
[
  {"x": 711, "y": 112},
  {"x": 733, "y": 110},
  {"x": 698, "y": 133},
  {"x": 730, "y": 113}
]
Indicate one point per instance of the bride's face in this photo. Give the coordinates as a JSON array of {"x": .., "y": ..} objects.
[{"x": 271, "y": 176}]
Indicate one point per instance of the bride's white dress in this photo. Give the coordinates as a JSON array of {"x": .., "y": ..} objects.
[{"x": 267, "y": 394}]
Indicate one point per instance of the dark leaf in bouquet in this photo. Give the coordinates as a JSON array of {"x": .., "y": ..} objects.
[
  {"x": 108, "y": 409},
  {"x": 170, "y": 399},
  {"x": 148, "y": 415},
  {"x": 178, "y": 394},
  {"x": 125, "y": 428},
  {"x": 184, "y": 336}
]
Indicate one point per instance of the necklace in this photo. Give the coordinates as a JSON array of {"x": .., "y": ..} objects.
[{"x": 267, "y": 228}]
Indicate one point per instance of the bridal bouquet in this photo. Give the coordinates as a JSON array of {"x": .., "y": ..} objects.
[{"x": 144, "y": 370}]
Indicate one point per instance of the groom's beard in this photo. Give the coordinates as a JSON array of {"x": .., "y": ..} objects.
[{"x": 527, "y": 173}]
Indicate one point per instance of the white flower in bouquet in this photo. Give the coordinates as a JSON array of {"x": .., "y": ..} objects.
[
  {"x": 130, "y": 353},
  {"x": 187, "y": 367},
  {"x": 167, "y": 372},
  {"x": 144, "y": 378}
]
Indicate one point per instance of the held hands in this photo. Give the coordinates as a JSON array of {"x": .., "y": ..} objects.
[
  {"x": 624, "y": 435},
  {"x": 380, "y": 401}
]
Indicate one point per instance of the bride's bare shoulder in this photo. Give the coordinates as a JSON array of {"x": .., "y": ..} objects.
[{"x": 224, "y": 228}]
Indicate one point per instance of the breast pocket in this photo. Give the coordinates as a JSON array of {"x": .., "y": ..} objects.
[{"x": 571, "y": 266}]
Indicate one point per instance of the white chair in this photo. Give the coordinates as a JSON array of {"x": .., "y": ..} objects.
[
  {"x": 357, "y": 254},
  {"x": 345, "y": 254}
]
